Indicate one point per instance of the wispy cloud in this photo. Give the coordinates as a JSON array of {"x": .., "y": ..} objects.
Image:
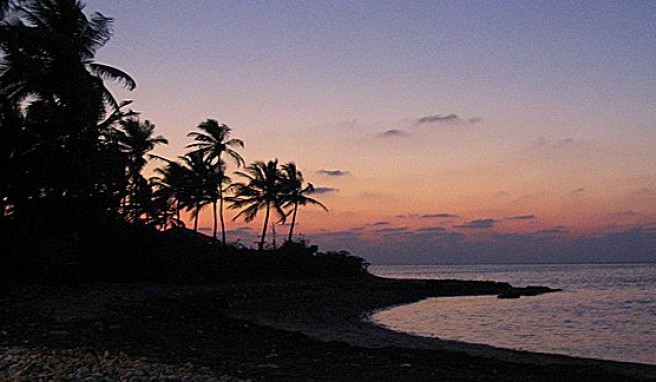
[
  {"x": 439, "y": 216},
  {"x": 625, "y": 214},
  {"x": 348, "y": 234},
  {"x": 446, "y": 119},
  {"x": 576, "y": 192},
  {"x": 240, "y": 231},
  {"x": 392, "y": 229},
  {"x": 430, "y": 229},
  {"x": 324, "y": 190},
  {"x": 379, "y": 223},
  {"x": 478, "y": 224},
  {"x": 522, "y": 217},
  {"x": 406, "y": 216},
  {"x": 558, "y": 230},
  {"x": 552, "y": 144},
  {"x": 393, "y": 133},
  {"x": 333, "y": 173}
]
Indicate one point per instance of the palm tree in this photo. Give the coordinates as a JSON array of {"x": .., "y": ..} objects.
[
  {"x": 198, "y": 176},
  {"x": 213, "y": 141},
  {"x": 170, "y": 182},
  {"x": 263, "y": 191},
  {"x": 295, "y": 194},
  {"x": 136, "y": 139},
  {"x": 48, "y": 51}
]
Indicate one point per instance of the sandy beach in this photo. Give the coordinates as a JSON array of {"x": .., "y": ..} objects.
[{"x": 281, "y": 331}]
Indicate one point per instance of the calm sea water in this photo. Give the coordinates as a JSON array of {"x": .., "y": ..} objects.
[{"x": 605, "y": 311}]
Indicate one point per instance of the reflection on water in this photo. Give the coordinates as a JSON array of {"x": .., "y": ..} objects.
[{"x": 605, "y": 311}]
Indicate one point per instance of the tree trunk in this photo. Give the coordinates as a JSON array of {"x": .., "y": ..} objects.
[
  {"x": 196, "y": 218},
  {"x": 291, "y": 226},
  {"x": 223, "y": 235},
  {"x": 266, "y": 223},
  {"x": 214, "y": 230}
]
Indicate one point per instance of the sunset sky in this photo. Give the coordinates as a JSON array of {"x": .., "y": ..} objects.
[{"x": 438, "y": 132}]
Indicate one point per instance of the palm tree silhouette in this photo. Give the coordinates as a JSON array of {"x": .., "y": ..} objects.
[
  {"x": 48, "y": 65},
  {"x": 295, "y": 194},
  {"x": 170, "y": 182},
  {"x": 136, "y": 139},
  {"x": 49, "y": 53},
  {"x": 199, "y": 177},
  {"x": 263, "y": 191},
  {"x": 212, "y": 142}
]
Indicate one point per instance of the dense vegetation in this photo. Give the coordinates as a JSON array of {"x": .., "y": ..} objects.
[{"x": 74, "y": 200}]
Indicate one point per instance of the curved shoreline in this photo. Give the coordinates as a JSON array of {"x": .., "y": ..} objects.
[
  {"x": 354, "y": 327},
  {"x": 493, "y": 350},
  {"x": 465, "y": 335},
  {"x": 308, "y": 327}
]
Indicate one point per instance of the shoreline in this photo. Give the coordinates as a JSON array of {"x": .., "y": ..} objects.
[
  {"x": 358, "y": 330},
  {"x": 228, "y": 332},
  {"x": 498, "y": 351}
]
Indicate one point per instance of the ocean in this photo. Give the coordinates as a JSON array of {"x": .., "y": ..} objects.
[{"x": 605, "y": 311}]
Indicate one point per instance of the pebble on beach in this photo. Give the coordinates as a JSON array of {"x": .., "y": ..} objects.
[{"x": 41, "y": 364}]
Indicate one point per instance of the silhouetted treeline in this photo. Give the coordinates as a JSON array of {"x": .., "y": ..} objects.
[{"x": 72, "y": 162}]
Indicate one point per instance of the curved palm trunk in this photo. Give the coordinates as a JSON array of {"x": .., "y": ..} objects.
[
  {"x": 196, "y": 218},
  {"x": 273, "y": 232},
  {"x": 266, "y": 223},
  {"x": 223, "y": 235},
  {"x": 214, "y": 230},
  {"x": 291, "y": 226}
]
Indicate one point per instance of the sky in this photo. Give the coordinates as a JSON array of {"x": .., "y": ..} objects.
[{"x": 436, "y": 131}]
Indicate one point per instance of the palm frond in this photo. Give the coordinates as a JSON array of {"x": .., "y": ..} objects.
[{"x": 113, "y": 74}]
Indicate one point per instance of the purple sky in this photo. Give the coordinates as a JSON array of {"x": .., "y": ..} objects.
[{"x": 531, "y": 125}]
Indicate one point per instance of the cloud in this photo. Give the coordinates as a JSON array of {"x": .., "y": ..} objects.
[
  {"x": 324, "y": 190},
  {"x": 346, "y": 236},
  {"x": 439, "y": 216},
  {"x": 379, "y": 223},
  {"x": 393, "y": 133},
  {"x": 543, "y": 143},
  {"x": 430, "y": 229},
  {"x": 452, "y": 119},
  {"x": 625, "y": 214},
  {"x": 392, "y": 229},
  {"x": 522, "y": 217},
  {"x": 578, "y": 191},
  {"x": 370, "y": 196},
  {"x": 333, "y": 173},
  {"x": 240, "y": 230},
  {"x": 478, "y": 224},
  {"x": 558, "y": 230},
  {"x": 406, "y": 216}
]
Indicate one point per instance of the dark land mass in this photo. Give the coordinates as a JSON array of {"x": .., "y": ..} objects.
[{"x": 265, "y": 331}]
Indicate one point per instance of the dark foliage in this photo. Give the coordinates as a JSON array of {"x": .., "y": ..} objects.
[{"x": 114, "y": 250}]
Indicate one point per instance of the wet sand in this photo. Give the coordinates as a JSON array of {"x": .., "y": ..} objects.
[{"x": 281, "y": 331}]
